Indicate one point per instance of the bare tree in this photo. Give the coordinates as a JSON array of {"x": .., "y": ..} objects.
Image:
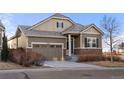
[{"x": 111, "y": 31}]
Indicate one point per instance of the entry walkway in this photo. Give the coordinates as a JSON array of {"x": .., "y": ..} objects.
[{"x": 67, "y": 64}]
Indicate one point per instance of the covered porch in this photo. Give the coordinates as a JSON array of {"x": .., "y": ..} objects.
[
  {"x": 83, "y": 44},
  {"x": 73, "y": 42}
]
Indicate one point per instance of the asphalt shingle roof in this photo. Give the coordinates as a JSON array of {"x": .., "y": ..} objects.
[
  {"x": 38, "y": 32},
  {"x": 75, "y": 28},
  {"x": 59, "y": 15}
]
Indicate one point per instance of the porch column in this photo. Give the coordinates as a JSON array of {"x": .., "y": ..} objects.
[
  {"x": 81, "y": 43},
  {"x": 69, "y": 43}
]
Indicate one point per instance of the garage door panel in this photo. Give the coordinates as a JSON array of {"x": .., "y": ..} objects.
[{"x": 49, "y": 51}]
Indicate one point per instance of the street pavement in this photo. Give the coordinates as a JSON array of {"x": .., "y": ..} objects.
[
  {"x": 62, "y": 73},
  {"x": 64, "y": 70}
]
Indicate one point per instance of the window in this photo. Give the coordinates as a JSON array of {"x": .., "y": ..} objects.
[
  {"x": 58, "y": 46},
  {"x": 36, "y": 45},
  {"x": 91, "y": 42},
  {"x": 43, "y": 46},
  {"x": 57, "y": 24},
  {"x": 52, "y": 46},
  {"x": 60, "y": 25}
]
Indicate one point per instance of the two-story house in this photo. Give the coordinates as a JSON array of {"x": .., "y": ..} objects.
[{"x": 58, "y": 36}]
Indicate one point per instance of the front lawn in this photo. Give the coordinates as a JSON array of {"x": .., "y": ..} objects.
[
  {"x": 9, "y": 65},
  {"x": 109, "y": 64}
]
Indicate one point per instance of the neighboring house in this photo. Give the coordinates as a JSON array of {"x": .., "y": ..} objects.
[
  {"x": 2, "y": 29},
  {"x": 58, "y": 36}
]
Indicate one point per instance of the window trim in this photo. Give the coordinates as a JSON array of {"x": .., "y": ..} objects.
[
  {"x": 59, "y": 24},
  {"x": 91, "y": 42}
]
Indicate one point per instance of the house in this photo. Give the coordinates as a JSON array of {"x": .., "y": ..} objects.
[
  {"x": 58, "y": 36},
  {"x": 2, "y": 29}
]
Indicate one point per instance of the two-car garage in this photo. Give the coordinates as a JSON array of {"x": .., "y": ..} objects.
[{"x": 52, "y": 51}]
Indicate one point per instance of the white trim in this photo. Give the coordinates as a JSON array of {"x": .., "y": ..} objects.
[
  {"x": 94, "y": 27},
  {"x": 69, "y": 43},
  {"x": 81, "y": 40},
  {"x": 91, "y": 43},
  {"x": 62, "y": 44},
  {"x": 20, "y": 30},
  {"x": 47, "y": 36}
]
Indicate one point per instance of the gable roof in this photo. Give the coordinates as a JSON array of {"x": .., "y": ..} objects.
[
  {"x": 92, "y": 25},
  {"x": 56, "y": 15},
  {"x": 78, "y": 28},
  {"x": 75, "y": 28}
]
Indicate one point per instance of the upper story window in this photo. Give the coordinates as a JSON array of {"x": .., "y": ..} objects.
[
  {"x": 59, "y": 24},
  {"x": 62, "y": 25},
  {"x": 91, "y": 42}
]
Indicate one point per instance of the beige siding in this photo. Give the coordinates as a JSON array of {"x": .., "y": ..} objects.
[
  {"x": 18, "y": 42},
  {"x": 46, "y": 39},
  {"x": 77, "y": 41},
  {"x": 92, "y": 30},
  {"x": 50, "y": 25},
  {"x": 22, "y": 41},
  {"x": 12, "y": 43},
  {"x": 92, "y": 35}
]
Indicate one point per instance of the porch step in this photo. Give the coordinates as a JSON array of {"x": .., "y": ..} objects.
[{"x": 72, "y": 58}]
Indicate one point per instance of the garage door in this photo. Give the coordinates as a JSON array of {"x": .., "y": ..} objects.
[{"x": 50, "y": 51}]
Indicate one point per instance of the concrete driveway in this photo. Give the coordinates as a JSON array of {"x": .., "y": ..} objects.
[{"x": 67, "y": 64}]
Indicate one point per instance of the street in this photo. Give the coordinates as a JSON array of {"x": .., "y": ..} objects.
[{"x": 51, "y": 73}]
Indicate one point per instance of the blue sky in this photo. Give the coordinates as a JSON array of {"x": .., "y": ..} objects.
[{"x": 11, "y": 21}]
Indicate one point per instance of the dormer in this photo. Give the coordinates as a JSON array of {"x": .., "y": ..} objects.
[{"x": 56, "y": 22}]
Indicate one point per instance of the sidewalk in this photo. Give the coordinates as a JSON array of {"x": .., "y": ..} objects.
[{"x": 68, "y": 64}]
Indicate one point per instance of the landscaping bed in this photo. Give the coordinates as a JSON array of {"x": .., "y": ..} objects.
[
  {"x": 96, "y": 57},
  {"x": 109, "y": 64},
  {"x": 26, "y": 58}
]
